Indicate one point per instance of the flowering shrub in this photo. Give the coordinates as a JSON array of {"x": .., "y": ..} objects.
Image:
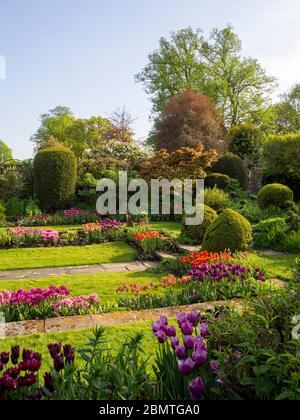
[
  {"x": 183, "y": 359},
  {"x": 203, "y": 257},
  {"x": 41, "y": 304}
]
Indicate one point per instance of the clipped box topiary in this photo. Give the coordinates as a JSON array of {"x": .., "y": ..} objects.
[
  {"x": 229, "y": 232},
  {"x": 275, "y": 195},
  {"x": 233, "y": 166},
  {"x": 221, "y": 181},
  {"x": 54, "y": 177},
  {"x": 197, "y": 232}
]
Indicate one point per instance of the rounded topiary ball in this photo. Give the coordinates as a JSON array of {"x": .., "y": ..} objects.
[
  {"x": 229, "y": 232},
  {"x": 275, "y": 195},
  {"x": 221, "y": 181},
  {"x": 197, "y": 232},
  {"x": 54, "y": 177},
  {"x": 231, "y": 165}
]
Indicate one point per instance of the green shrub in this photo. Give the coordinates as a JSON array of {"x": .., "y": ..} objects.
[
  {"x": 291, "y": 242},
  {"x": 2, "y": 213},
  {"x": 217, "y": 180},
  {"x": 274, "y": 195},
  {"x": 231, "y": 165},
  {"x": 216, "y": 199},
  {"x": 282, "y": 161},
  {"x": 246, "y": 141},
  {"x": 230, "y": 231},
  {"x": 54, "y": 174},
  {"x": 15, "y": 207},
  {"x": 269, "y": 233},
  {"x": 32, "y": 209},
  {"x": 197, "y": 232}
]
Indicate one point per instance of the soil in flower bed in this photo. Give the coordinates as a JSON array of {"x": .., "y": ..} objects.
[{"x": 110, "y": 252}]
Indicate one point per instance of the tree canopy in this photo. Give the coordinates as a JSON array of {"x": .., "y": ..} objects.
[{"x": 213, "y": 66}]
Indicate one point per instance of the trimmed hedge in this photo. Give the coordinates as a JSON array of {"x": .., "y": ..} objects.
[
  {"x": 282, "y": 161},
  {"x": 230, "y": 231},
  {"x": 54, "y": 177},
  {"x": 221, "y": 181},
  {"x": 231, "y": 165},
  {"x": 197, "y": 232},
  {"x": 275, "y": 195}
]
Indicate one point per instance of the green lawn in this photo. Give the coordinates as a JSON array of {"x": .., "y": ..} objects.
[
  {"x": 276, "y": 267},
  {"x": 116, "y": 336},
  {"x": 112, "y": 252},
  {"x": 171, "y": 227},
  {"x": 104, "y": 284}
]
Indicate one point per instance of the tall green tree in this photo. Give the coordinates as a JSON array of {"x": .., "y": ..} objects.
[
  {"x": 5, "y": 152},
  {"x": 213, "y": 66}
]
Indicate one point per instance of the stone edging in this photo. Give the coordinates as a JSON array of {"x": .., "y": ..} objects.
[{"x": 74, "y": 323}]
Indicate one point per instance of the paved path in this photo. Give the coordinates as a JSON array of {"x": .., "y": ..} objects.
[
  {"x": 74, "y": 323},
  {"x": 85, "y": 269}
]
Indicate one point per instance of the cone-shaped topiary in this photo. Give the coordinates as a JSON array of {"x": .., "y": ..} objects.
[
  {"x": 221, "y": 181},
  {"x": 54, "y": 177},
  {"x": 197, "y": 232},
  {"x": 230, "y": 231},
  {"x": 275, "y": 195},
  {"x": 231, "y": 165}
]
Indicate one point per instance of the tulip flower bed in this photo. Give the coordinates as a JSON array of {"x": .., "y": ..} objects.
[
  {"x": 203, "y": 283},
  {"x": 184, "y": 361},
  {"x": 98, "y": 232},
  {"x": 151, "y": 241},
  {"x": 37, "y": 303}
]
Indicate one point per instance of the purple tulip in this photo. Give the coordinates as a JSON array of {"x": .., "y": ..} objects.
[
  {"x": 54, "y": 349},
  {"x": 49, "y": 382},
  {"x": 27, "y": 380},
  {"x": 186, "y": 366},
  {"x": 180, "y": 352},
  {"x": 1, "y": 366},
  {"x": 214, "y": 367},
  {"x": 170, "y": 331},
  {"x": 7, "y": 383},
  {"x": 163, "y": 320},
  {"x": 188, "y": 342},
  {"x": 161, "y": 337},
  {"x": 181, "y": 318},
  {"x": 69, "y": 353},
  {"x": 194, "y": 318},
  {"x": 12, "y": 373},
  {"x": 186, "y": 328},
  {"x": 15, "y": 354},
  {"x": 156, "y": 326},
  {"x": 204, "y": 330},
  {"x": 174, "y": 342},
  {"x": 59, "y": 363},
  {"x": 4, "y": 358},
  {"x": 200, "y": 357},
  {"x": 196, "y": 388}
]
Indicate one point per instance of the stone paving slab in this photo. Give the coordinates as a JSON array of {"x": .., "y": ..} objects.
[
  {"x": 77, "y": 323},
  {"x": 87, "y": 269}
]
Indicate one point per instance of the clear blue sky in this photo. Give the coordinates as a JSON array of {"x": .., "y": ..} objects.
[{"x": 84, "y": 54}]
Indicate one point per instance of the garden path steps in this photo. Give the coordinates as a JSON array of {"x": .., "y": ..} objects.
[
  {"x": 76, "y": 323},
  {"x": 85, "y": 269}
]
